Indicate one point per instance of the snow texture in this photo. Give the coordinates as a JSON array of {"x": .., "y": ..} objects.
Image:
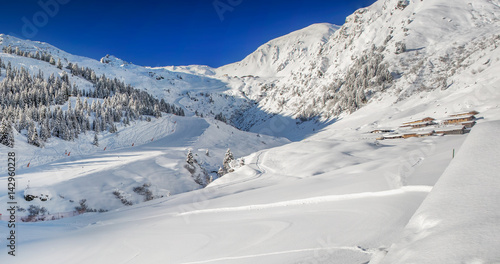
[
  {"x": 458, "y": 221},
  {"x": 316, "y": 186}
]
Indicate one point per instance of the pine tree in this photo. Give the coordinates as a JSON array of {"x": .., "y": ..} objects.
[
  {"x": 33, "y": 138},
  {"x": 96, "y": 140},
  {"x": 157, "y": 112},
  {"x": 59, "y": 64},
  {"x": 227, "y": 161},
  {"x": 113, "y": 128},
  {"x": 190, "y": 158},
  {"x": 44, "y": 130},
  {"x": 220, "y": 172},
  {"x": 190, "y": 166},
  {"x": 6, "y": 134}
]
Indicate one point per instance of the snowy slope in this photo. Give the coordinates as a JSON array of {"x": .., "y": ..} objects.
[
  {"x": 159, "y": 82},
  {"x": 334, "y": 195},
  {"x": 343, "y": 206},
  {"x": 69, "y": 171},
  {"x": 337, "y": 196},
  {"x": 281, "y": 56},
  {"x": 156, "y": 158},
  {"x": 323, "y": 70},
  {"x": 458, "y": 221}
]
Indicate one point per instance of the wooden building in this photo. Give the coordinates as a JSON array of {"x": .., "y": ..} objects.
[
  {"x": 422, "y": 124},
  {"x": 381, "y": 131},
  {"x": 427, "y": 119},
  {"x": 452, "y": 130},
  {"x": 459, "y": 120},
  {"x": 471, "y": 113},
  {"x": 410, "y": 135},
  {"x": 425, "y": 133},
  {"x": 394, "y": 136},
  {"x": 469, "y": 124}
]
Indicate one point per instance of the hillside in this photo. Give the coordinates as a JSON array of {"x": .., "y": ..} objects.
[
  {"x": 307, "y": 179},
  {"x": 457, "y": 221},
  {"x": 402, "y": 48}
]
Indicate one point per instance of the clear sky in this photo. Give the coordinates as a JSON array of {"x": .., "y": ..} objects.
[{"x": 163, "y": 33}]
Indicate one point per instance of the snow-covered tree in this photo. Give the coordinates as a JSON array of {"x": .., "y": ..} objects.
[
  {"x": 226, "y": 163},
  {"x": 198, "y": 173},
  {"x": 113, "y": 128},
  {"x": 44, "y": 130},
  {"x": 400, "y": 47},
  {"x": 28, "y": 98},
  {"x": 190, "y": 158},
  {"x": 33, "y": 138},
  {"x": 96, "y": 140},
  {"x": 6, "y": 134}
]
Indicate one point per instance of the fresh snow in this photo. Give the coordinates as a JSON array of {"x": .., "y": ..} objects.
[
  {"x": 459, "y": 220},
  {"x": 322, "y": 190}
]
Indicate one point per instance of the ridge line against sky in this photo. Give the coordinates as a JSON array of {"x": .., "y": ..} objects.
[{"x": 163, "y": 33}]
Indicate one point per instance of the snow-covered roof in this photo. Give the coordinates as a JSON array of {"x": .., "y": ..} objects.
[
  {"x": 459, "y": 117},
  {"x": 449, "y": 128},
  {"x": 422, "y": 123}
]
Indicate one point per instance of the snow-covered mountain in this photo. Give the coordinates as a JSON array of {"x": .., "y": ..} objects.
[
  {"x": 400, "y": 47},
  {"x": 284, "y": 55},
  {"x": 336, "y": 194}
]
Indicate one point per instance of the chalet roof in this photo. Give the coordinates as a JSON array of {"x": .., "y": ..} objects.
[
  {"x": 449, "y": 128},
  {"x": 381, "y": 130},
  {"x": 423, "y": 131},
  {"x": 422, "y": 123},
  {"x": 459, "y": 117},
  {"x": 418, "y": 120},
  {"x": 473, "y": 112},
  {"x": 393, "y": 136}
]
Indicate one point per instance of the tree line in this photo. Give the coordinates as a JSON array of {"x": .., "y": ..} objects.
[{"x": 42, "y": 106}]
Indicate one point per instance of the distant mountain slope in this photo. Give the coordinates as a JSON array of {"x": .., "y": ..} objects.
[
  {"x": 281, "y": 56},
  {"x": 158, "y": 81},
  {"x": 402, "y": 47},
  {"x": 395, "y": 48}
]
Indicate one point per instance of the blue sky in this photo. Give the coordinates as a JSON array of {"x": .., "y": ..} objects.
[{"x": 161, "y": 33}]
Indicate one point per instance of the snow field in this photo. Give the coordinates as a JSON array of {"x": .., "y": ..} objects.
[{"x": 458, "y": 221}]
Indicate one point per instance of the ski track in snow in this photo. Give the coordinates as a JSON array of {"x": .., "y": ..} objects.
[
  {"x": 259, "y": 171},
  {"x": 313, "y": 200},
  {"x": 280, "y": 253}
]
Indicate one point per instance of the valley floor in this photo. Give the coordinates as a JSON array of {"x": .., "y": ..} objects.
[{"x": 325, "y": 198}]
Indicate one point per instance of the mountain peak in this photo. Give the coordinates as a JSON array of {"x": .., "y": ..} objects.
[
  {"x": 113, "y": 60},
  {"x": 282, "y": 55}
]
